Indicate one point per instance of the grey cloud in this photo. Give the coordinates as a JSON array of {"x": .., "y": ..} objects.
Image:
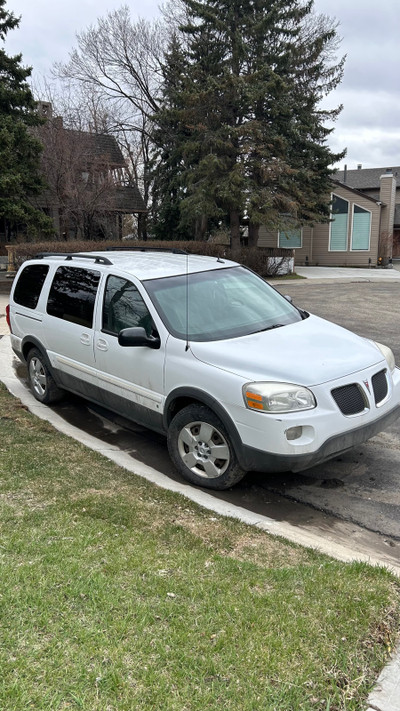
[{"x": 369, "y": 109}]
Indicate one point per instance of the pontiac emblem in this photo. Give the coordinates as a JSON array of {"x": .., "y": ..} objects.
[{"x": 366, "y": 383}]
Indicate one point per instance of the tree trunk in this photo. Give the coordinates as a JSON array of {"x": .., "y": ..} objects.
[
  {"x": 254, "y": 231},
  {"x": 142, "y": 226},
  {"x": 234, "y": 219},
  {"x": 200, "y": 230}
]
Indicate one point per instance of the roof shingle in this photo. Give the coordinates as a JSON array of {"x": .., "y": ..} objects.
[{"x": 365, "y": 178}]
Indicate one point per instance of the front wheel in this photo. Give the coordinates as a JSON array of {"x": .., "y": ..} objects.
[
  {"x": 201, "y": 449},
  {"x": 40, "y": 379}
]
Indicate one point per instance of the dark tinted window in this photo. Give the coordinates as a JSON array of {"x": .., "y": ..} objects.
[
  {"x": 29, "y": 285},
  {"x": 124, "y": 307},
  {"x": 72, "y": 295}
]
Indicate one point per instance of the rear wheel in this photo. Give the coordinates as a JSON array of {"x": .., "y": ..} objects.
[
  {"x": 201, "y": 449},
  {"x": 41, "y": 381}
]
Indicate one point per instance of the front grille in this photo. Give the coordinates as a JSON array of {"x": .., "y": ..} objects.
[
  {"x": 380, "y": 386},
  {"x": 349, "y": 399}
]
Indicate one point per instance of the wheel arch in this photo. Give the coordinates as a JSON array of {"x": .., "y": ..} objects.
[
  {"x": 181, "y": 397},
  {"x": 30, "y": 342}
]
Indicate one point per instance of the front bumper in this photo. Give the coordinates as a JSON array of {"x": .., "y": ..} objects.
[{"x": 252, "y": 459}]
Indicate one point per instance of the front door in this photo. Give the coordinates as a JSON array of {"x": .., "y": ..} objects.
[{"x": 131, "y": 378}]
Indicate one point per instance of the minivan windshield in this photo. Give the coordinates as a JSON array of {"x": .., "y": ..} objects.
[{"x": 219, "y": 304}]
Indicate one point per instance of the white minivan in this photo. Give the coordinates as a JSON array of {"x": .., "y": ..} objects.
[{"x": 206, "y": 352}]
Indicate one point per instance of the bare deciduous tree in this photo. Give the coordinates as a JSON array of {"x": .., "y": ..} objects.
[
  {"x": 122, "y": 58},
  {"x": 114, "y": 75}
]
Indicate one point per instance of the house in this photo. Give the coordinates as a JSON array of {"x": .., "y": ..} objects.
[
  {"x": 365, "y": 223},
  {"x": 368, "y": 181},
  {"x": 89, "y": 190}
]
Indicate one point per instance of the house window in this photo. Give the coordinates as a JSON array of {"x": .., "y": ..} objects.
[
  {"x": 361, "y": 228},
  {"x": 290, "y": 238},
  {"x": 339, "y": 225}
]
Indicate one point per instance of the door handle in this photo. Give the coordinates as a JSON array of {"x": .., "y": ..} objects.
[
  {"x": 85, "y": 339},
  {"x": 102, "y": 344}
]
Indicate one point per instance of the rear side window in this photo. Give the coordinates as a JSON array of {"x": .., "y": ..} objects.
[
  {"x": 29, "y": 285},
  {"x": 72, "y": 295}
]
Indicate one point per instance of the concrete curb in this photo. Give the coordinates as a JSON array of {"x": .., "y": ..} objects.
[{"x": 386, "y": 694}]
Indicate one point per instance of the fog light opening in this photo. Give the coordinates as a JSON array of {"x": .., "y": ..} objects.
[{"x": 293, "y": 433}]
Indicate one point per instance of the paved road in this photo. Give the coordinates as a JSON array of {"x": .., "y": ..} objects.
[{"x": 371, "y": 309}]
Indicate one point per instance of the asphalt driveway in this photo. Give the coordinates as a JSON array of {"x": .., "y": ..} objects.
[{"x": 369, "y": 308}]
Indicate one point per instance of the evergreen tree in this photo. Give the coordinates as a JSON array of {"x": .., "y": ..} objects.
[
  {"x": 256, "y": 138},
  {"x": 168, "y": 137},
  {"x": 20, "y": 177}
]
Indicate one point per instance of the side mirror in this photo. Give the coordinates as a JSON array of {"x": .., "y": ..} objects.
[
  {"x": 288, "y": 298},
  {"x": 137, "y": 336}
]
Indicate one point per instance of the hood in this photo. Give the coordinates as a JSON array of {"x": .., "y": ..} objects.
[{"x": 308, "y": 352}]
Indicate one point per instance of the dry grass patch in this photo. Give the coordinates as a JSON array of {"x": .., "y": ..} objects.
[{"x": 249, "y": 544}]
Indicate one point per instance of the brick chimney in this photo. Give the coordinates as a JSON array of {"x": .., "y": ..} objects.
[{"x": 387, "y": 197}]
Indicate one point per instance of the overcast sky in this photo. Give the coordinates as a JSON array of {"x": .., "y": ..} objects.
[{"x": 369, "y": 126}]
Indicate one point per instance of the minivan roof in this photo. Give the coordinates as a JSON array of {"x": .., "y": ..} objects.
[{"x": 144, "y": 264}]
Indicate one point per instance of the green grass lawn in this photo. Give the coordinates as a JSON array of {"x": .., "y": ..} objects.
[{"x": 116, "y": 595}]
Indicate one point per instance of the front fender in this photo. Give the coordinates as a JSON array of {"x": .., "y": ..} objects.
[{"x": 183, "y": 396}]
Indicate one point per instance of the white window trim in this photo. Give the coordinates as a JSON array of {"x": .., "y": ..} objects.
[
  {"x": 338, "y": 251},
  {"x": 367, "y": 249},
  {"x": 301, "y": 240}
]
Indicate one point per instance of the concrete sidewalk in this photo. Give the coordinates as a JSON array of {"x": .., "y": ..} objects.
[
  {"x": 344, "y": 274},
  {"x": 3, "y": 324}
]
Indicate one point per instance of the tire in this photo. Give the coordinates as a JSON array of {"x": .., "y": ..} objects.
[
  {"x": 41, "y": 382},
  {"x": 201, "y": 450}
]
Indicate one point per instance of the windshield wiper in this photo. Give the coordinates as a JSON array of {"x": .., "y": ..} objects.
[{"x": 269, "y": 328}]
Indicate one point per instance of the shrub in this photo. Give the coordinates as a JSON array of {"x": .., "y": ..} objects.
[{"x": 266, "y": 261}]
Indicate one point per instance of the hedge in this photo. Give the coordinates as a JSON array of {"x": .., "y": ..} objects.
[{"x": 256, "y": 258}]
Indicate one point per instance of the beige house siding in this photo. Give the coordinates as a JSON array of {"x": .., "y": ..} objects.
[
  {"x": 315, "y": 240},
  {"x": 388, "y": 197},
  {"x": 350, "y": 257},
  {"x": 270, "y": 238}
]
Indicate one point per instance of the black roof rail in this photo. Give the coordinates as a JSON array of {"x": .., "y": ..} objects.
[
  {"x": 97, "y": 258},
  {"x": 173, "y": 250}
]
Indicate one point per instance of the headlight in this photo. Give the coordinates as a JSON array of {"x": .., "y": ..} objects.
[
  {"x": 277, "y": 397},
  {"x": 387, "y": 354}
]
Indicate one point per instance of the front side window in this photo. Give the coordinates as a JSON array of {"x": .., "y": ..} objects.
[
  {"x": 213, "y": 305},
  {"x": 73, "y": 294},
  {"x": 29, "y": 285},
  {"x": 124, "y": 307},
  {"x": 290, "y": 238},
  {"x": 361, "y": 228},
  {"x": 339, "y": 224}
]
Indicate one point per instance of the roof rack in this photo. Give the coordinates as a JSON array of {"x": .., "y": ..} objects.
[
  {"x": 97, "y": 258},
  {"x": 172, "y": 250}
]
